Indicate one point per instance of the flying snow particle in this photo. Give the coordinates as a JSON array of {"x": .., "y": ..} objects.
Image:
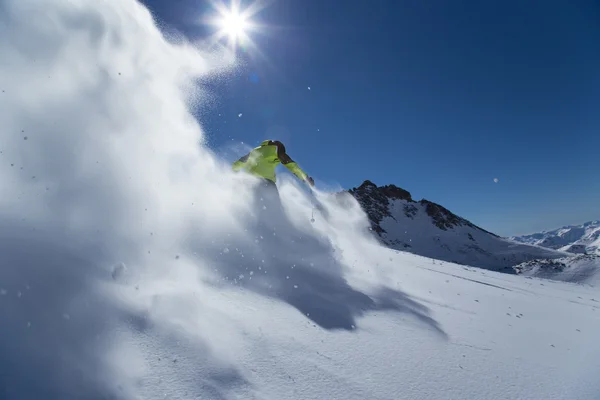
[
  {"x": 309, "y": 88},
  {"x": 118, "y": 271},
  {"x": 240, "y": 115},
  {"x": 496, "y": 180}
]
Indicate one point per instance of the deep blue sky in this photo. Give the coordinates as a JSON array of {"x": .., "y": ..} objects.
[{"x": 438, "y": 97}]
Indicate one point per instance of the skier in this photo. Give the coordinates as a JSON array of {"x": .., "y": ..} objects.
[{"x": 262, "y": 161}]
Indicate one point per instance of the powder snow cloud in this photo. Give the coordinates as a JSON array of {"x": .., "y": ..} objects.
[{"x": 114, "y": 214}]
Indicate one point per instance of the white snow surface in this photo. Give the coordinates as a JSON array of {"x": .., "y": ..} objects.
[
  {"x": 135, "y": 265},
  {"x": 584, "y": 238},
  {"x": 461, "y": 244}
]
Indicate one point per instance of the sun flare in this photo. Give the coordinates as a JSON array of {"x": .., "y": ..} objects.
[{"x": 234, "y": 23}]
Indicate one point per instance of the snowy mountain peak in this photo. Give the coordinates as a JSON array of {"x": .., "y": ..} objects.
[
  {"x": 584, "y": 238},
  {"x": 429, "y": 229},
  {"x": 377, "y": 200},
  {"x": 390, "y": 191}
]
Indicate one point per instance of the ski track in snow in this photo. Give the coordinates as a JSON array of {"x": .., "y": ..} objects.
[{"x": 135, "y": 265}]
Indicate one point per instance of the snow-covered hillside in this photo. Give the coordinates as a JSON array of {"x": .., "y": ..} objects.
[
  {"x": 430, "y": 230},
  {"x": 584, "y": 238},
  {"x": 135, "y": 265},
  {"x": 581, "y": 268}
]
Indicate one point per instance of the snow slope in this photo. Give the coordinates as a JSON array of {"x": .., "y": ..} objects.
[
  {"x": 584, "y": 238},
  {"x": 135, "y": 265},
  {"x": 430, "y": 230}
]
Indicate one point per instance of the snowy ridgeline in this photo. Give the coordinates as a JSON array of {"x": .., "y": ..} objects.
[
  {"x": 135, "y": 265},
  {"x": 580, "y": 239},
  {"x": 428, "y": 229}
]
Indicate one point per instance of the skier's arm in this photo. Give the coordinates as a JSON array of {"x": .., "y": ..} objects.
[
  {"x": 296, "y": 170},
  {"x": 239, "y": 164},
  {"x": 290, "y": 164}
]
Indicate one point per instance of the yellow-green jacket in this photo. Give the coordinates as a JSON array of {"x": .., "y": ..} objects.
[{"x": 263, "y": 160}]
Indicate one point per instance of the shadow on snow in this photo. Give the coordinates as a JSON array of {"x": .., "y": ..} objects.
[{"x": 284, "y": 263}]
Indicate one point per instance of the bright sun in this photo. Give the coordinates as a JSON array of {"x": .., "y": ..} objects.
[
  {"x": 233, "y": 22},
  {"x": 234, "y": 25}
]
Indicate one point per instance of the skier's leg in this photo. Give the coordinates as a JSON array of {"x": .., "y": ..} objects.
[{"x": 267, "y": 199}]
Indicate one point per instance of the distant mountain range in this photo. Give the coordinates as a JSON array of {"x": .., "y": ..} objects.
[
  {"x": 579, "y": 239},
  {"x": 583, "y": 240},
  {"x": 428, "y": 229}
]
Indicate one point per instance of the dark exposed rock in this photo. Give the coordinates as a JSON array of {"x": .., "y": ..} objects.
[
  {"x": 391, "y": 191},
  {"x": 368, "y": 188},
  {"x": 410, "y": 210},
  {"x": 445, "y": 219},
  {"x": 548, "y": 265},
  {"x": 394, "y": 192},
  {"x": 376, "y": 200},
  {"x": 441, "y": 216}
]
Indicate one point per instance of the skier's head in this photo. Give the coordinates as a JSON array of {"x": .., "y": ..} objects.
[{"x": 280, "y": 146}]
